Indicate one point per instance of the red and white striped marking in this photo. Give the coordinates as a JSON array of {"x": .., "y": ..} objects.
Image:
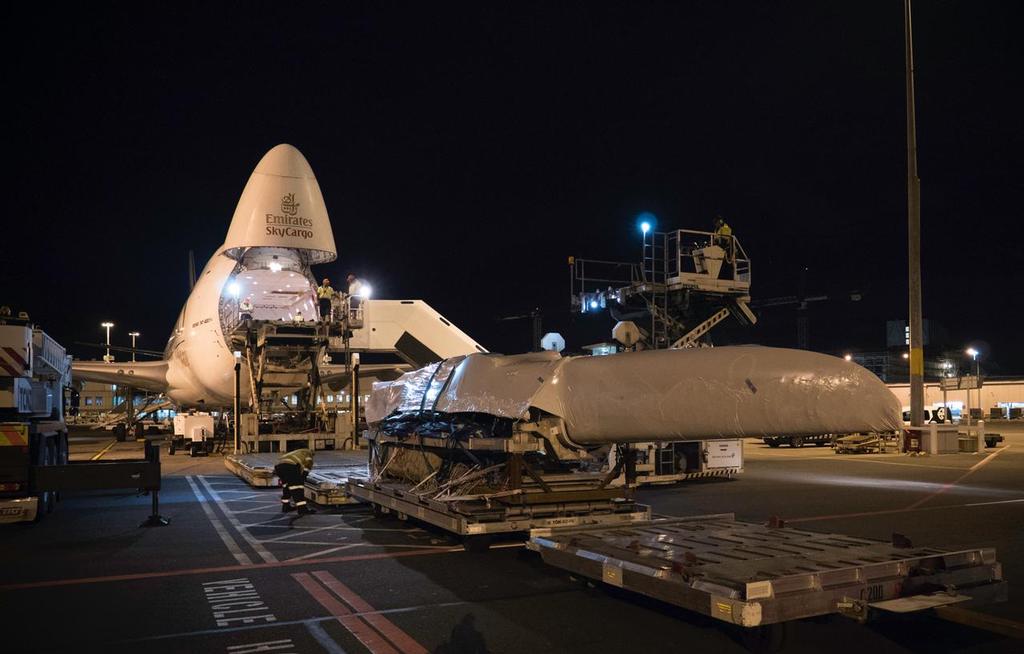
[{"x": 13, "y": 362}]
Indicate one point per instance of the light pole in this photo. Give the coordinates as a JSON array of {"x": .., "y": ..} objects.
[
  {"x": 238, "y": 398},
  {"x": 134, "y": 335},
  {"x": 971, "y": 352},
  {"x": 107, "y": 325},
  {"x": 913, "y": 236}
]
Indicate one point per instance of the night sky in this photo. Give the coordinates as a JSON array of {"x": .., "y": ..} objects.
[{"x": 465, "y": 150}]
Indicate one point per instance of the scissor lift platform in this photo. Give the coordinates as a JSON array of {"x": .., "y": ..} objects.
[{"x": 753, "y": 575}]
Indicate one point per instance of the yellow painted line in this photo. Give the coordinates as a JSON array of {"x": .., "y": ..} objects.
[{"x": 104, "y": 450}]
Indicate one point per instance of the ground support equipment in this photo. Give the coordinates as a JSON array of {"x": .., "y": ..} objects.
[{"x": 752, "y": 575}]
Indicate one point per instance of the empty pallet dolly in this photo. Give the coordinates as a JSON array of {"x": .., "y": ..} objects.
[{"x": 753, "y": 575}]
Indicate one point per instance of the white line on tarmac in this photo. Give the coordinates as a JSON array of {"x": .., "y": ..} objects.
[
  {"x": 288, "y": 623},
  {"x": 995, "y": 502},
  {"x": 218, "y": 526},
  {"x": 850, "y": 459},
  {"x": 335, "y": 527},
  {"x": 246, "y": 500},
  {"x": 316, "y": 630},
  {"x": 327, "y": 551},
  {"x": 296, "y": 533},
  {"x": 270, "y": 507},
  {"x": 264, "y": 554},
  {"x": 239, "y": 499}
]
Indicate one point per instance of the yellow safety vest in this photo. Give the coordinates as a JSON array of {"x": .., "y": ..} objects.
[
  {"x": 303, "y": 458},
  {"x": 324, "y": 292}
]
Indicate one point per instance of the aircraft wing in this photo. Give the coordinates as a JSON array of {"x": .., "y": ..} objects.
[{"x": 144, "y": 375}]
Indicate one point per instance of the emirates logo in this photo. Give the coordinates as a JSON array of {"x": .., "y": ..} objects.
[{"x": 289, "y": 206}]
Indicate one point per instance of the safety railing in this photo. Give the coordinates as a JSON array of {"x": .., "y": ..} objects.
[{"x": 696, "y": 252}]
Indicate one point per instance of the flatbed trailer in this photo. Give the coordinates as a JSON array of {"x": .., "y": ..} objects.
[
  {"x": 754, "y": 575},
  {"x": 472, "y": 517}
]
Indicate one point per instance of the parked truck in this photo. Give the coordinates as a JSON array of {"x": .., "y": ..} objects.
[{"x": 34, "y": 373}]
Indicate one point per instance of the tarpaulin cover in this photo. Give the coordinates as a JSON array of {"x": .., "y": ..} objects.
[{"x": 662, "y": 395}]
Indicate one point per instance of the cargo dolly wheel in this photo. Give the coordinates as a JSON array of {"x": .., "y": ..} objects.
[{"x": 796, "y": 441}]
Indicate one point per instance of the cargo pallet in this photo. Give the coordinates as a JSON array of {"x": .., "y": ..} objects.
[
  {"x": 326, "y": 484},
  {"x": 472, "y": 517},
  {"x": 330, "y": 486},
  {"x": 255, "y": 470},
  {"x": 754, "y": 575}
]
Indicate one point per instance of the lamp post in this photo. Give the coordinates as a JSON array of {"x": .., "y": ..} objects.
[
  {"x": 973, "y": 353},
  {"x": 107, "y": 325},
  {"x": 238, "y": 397},
  {"x": 913, "y": 236},
  {"x": 134, "y": 335}
]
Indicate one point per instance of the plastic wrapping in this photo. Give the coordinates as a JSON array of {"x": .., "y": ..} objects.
[{"x": 663, "y": 395}]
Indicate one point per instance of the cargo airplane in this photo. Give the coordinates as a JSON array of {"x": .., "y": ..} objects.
[{"x": 279, "y": 229}]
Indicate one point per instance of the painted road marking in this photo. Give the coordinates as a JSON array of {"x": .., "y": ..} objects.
[
  {"x": 283, "y": 645},
  {"x": 299, "y": 533},
  {"x": 262, "y": 551},
  {"x": 403, "y": 641},
  {"x": 261, "y": 508},
  {"x": 235, "y": 602},
  {"x": 218, "y": 526},
  {"x": 286, "y": 623},
  {"x": 361, "y": 630},
  {"x": 859, "y": 459},
  {"x": 323, "y": 552},
  {"x": 864, "y": 514},
  {"x": 977, "y": 466},
  {"x": 95, "y": 457},
  {"x": 322, "y": 637},
  {"x": 370, "y": 556}
]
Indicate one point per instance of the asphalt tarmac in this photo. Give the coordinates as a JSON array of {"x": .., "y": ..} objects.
[{"x": 232, "y": 574}]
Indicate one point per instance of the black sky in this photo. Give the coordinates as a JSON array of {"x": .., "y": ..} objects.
[{"x": 465, "y": 150}]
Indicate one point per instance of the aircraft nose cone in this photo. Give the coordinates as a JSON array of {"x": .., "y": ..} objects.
[{"x": 284, "y": 160}]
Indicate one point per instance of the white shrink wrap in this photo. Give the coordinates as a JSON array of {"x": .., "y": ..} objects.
[{"x": 663, "y": 395}]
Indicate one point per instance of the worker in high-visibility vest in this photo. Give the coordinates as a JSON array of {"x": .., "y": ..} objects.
[
  {"x": 324, "y": 294},
  {"x": 292, "y": 469},
  {"x": 723, "y": 238}
]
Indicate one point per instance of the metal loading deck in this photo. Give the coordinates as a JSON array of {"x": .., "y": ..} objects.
[
  {"x": 326, "y": 484},
  {"x": 474, "y": 516},
  {"x": 752, "y": 575}
]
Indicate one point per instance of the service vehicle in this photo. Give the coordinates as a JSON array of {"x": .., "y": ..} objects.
[{"x": 34, "y": 372}]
